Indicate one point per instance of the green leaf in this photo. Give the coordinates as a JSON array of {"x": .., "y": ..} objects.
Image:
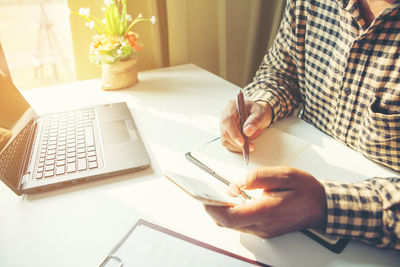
[
  {"x": 111, "y": 20},
  {"x": 116, "y": 19},
  {"x": 108, "y": 22},
  {"x": 123, "y": 25},
  {"x": 100, "y": 29}
]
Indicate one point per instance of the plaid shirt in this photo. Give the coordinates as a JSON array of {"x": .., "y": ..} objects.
[{"x": 346, "y": 75}]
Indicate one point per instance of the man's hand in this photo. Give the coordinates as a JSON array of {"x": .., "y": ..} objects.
[
  {"x": 292, "y": 200},
  {"x": 259, "y": 118}
]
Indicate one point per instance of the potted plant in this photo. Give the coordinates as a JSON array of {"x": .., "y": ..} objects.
[{"x": 115, "y": 46}]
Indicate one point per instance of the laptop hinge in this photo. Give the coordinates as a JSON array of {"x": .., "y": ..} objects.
[{"x": 27, "y": 163}]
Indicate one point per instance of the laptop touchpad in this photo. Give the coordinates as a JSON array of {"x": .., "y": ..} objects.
[{"x": 115, "y": 132}]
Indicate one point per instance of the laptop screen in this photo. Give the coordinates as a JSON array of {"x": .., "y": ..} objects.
[{"x": 16, "y": 123}]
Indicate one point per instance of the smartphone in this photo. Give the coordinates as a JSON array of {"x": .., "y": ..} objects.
[{"x": 207, "y": 193}]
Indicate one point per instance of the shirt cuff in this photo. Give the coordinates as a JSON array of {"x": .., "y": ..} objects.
[{"x": 353, "y": 211}]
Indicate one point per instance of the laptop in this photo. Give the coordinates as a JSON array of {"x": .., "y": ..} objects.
[{"x": 40, "y": 153}]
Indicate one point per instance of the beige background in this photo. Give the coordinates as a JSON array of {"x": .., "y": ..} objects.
[{"x": 226, "y": 37}]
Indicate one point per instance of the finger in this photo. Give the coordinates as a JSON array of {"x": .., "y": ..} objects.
[
  {"x": 259, "y": 118},
  {"x": 254, "y": 230},
  {"x": 251, "y": 229},
  {"x": 252, "y": 147},
  {"x": 233, "y": 135},
  {"x": 234, "y": 190},
  {"x": 256, "y": 134},
  {"x": 218, "y": 214},
  {"x": 230, "y": 125},
  {"x": 245, "y": 214},
  {"x": 226, "y": 216},
  {"x": 253, "y": 124},
  {"x": 271, "y": 178},
  {"x": 231, "y": 147},
  {"x": 264, "y": 231}
]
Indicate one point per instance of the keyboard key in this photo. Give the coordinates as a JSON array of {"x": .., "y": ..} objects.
[
  {"x": 92, "y": 158},
  {"x": 49, "y": 174},
  {"x": 52, "y": 156},
  {"x": 92, "y": 164},
  {"x": 81, "y": 145},
  {"x": 50, "y": 162},
  {"x": 60, "y": 162},
  {"x": 50, "y": 143},
  {"x": 89, "y": 136},
  {"x": 71, "y": 160},
  {"x": 71, "y": 167},
  {"x": 71, "y": 145},
  {"x": 51, "y": 151},
  {"x": 60, "y": 170},
  {"x": 82, "y": 164},
  {"x": 39, "y": 175},
  {"x": 49, "y": 168}
]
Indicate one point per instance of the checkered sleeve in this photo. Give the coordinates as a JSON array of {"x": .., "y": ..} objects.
[
  {"x": 368, "y": 211},
  {"x": 276, "y": 80}
]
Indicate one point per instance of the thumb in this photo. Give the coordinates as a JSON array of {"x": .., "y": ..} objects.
[
  {"x": 270, "y": 178},
  {"x": 257, "y": 120},
  {"x": 252, "y": 124}
]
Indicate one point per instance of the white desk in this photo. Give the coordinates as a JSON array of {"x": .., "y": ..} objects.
[{"x": 175, "y": 109}]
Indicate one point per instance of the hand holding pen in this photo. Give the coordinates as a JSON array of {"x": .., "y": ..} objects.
[{"x": 258, "y": 117}]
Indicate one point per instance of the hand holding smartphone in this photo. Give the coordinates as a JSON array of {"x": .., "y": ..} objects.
[{"x": 207, "y": 193}]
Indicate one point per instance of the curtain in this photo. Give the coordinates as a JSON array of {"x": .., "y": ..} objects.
[{"x": 226, "y": 37}]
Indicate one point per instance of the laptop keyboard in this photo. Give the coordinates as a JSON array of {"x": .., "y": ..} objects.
[{"x": 68, "y": 144}]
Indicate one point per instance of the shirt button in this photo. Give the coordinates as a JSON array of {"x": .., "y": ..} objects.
[
  {"x": 338, "y": 132},
  {"x": 347, "y": 91}
]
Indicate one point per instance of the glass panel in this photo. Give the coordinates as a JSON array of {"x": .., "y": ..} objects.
[
  {"x": 36, "y": 39},
  {"x": 16, "y": 129}
]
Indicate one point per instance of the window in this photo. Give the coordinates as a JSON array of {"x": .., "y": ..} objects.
[{"x": 36, "y": 39}]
